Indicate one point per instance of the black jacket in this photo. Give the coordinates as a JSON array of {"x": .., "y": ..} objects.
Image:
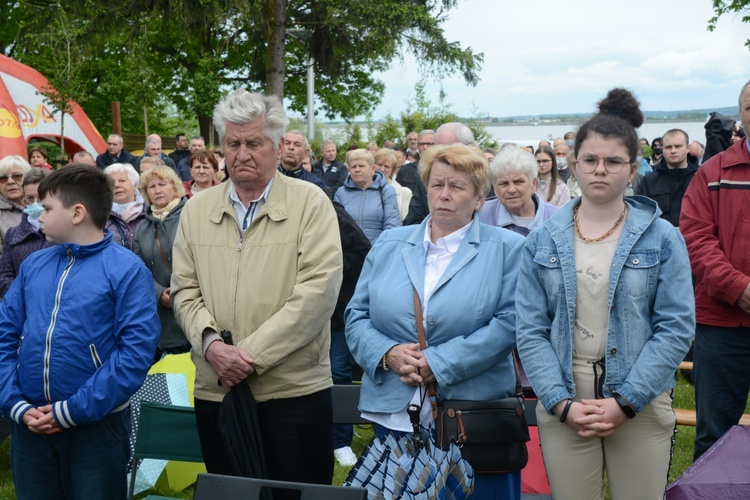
[
  {"x": 355, "y": 247},
  {"x": 334, "y": 178},
  {"x": 304, "y": 175},
  {"x": 667, "y": 187},
  {"x": 178, "y": 155},
  {"x": 408, "y": 176},
  {"x": 104, "y": 160}
]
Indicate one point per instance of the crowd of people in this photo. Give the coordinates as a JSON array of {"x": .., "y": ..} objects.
[{"x": 599, "y": 256}]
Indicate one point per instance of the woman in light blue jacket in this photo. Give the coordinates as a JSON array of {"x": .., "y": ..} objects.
[
  {"x": 367, "y": 196},
  {"x": 465, "y": 275},
  {"x": 605, "y": 314}
]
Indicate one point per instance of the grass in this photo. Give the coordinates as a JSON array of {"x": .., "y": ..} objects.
[{"x": 684, "y": 397}]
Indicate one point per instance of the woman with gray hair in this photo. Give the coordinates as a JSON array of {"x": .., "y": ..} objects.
[
  {"x": 128, "y": 209},
  {"x": 12, "y": 170},
  {"x": 517, "y": 207}
]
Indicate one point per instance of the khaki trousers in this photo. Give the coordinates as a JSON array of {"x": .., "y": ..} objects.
[{"x": 636, "y": 457}]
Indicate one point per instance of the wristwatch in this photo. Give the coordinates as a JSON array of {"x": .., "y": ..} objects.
[{"x": 624, "y": 405}]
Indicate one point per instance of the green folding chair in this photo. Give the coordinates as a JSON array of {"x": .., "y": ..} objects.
[{"x": 165, "y": 432}]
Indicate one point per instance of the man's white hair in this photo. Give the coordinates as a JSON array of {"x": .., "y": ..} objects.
[{"x": 242, "y": 107}]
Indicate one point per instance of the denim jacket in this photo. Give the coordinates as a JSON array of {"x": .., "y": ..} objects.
[{"x": 651, "y": 304}]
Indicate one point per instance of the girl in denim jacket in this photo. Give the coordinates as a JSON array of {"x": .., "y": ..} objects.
[{"x": 605, "y": 314}]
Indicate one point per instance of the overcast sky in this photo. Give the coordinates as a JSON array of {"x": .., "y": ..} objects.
[{"x": 562, "y": 56}]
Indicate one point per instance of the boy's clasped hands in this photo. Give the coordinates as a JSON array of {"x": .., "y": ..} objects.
[{"x": 41, "y": 420}]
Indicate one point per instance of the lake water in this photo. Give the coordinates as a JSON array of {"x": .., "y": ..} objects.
[{"x": 532, "y": 134}]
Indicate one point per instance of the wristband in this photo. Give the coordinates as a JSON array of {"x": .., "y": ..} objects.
[
  {"x": 564, "y": 414},
  {"x": 624, "y": 405},
  {"x": 384, "y": 364}
]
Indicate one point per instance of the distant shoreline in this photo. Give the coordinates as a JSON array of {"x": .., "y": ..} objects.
[{"x": 527, "y": 124}]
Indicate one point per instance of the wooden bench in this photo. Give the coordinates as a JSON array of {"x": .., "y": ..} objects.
[{"x": 687, "y": 417}]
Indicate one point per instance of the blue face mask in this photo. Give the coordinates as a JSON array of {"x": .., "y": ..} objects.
[
  {"x": 570, "y": 143},
  {"x": 34, "y": 210}
]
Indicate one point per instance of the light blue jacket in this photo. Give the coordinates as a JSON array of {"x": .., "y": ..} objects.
[
  {"x": 470, "y": 321},
  {"x": 375, "y": 209},
  {"x": 652, "y": 309},
  {"x": 494, "y": 213}
]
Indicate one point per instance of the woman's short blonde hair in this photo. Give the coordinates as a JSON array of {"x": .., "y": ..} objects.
[
  {"x": 360, "y": 154},
  {"x": 388, "y": 156},
  {"x": 8, "y": 163},
  {"x": 467, "y": 159},
  {"x": 164, "y": 173}
]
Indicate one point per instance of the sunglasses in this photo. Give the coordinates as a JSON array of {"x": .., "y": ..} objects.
[{"x": 17, "y": 177}]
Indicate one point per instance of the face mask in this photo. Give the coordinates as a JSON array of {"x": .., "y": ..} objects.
[
  {"x": 34, "y": 210},
  {"x": 562, "y": 163},
  {"x": 570, "y": 143},
  {"x": 657, "y": 151}
]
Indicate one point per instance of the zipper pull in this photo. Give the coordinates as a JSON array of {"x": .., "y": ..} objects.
[{"x": 239, "y": 247}]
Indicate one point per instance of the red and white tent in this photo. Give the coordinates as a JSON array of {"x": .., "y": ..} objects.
[{"x": 25, "y": 116}]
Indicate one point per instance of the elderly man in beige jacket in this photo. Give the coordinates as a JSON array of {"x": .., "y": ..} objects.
[{"x": 260, "y": 257}]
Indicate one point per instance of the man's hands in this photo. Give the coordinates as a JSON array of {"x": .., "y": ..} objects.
[
  {"x": 408, "y": 361},
  {"x": 164, "y": 298},
  {"x": 744, "y": 301},
  {"x": 41, "y": 420},
  {"x": 232, "y": 364}
]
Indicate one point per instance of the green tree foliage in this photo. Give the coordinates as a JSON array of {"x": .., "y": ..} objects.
[
  {"x": 722, "y": 7},
  {"x": 389, "y": 130},
  {"x": 420, "y": 114},
  {"x": 57, "y": 47},
  {"x": 147, "y": 53}
]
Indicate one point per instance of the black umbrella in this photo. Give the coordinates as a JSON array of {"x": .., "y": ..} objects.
[
  {"x": 240, "y": 430},
  {"x": 718, "y": 134}
]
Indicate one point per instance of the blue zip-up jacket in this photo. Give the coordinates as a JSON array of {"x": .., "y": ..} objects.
[
  {"x": 651, "y": 304},
  {"x": 78, "y": 329},
  {"x": 375, "y": 209}
]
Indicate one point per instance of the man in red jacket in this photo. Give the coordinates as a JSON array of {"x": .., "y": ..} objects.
[{"x": 715, "y": 222}]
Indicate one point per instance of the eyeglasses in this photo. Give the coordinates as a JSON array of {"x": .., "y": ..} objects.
[
  {"x": 17, "y": 177},
  {"x": 543, "y": 162},
  {"x": 589, "y": 163},
  {"x": 425, "y": 144}
]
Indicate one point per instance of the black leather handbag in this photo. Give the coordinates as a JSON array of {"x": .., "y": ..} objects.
[{"x": 492, "y": 434}]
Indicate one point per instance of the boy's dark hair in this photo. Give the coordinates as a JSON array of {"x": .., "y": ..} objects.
[{"x": 84, "y": 184}]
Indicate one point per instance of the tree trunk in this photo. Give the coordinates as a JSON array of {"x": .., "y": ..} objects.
[
  {"x": 276, "y": 65},
  {"x": 145, "y": 119},
  {"x": 206, "y": 128},
  {"x": 63, "y": 154}
]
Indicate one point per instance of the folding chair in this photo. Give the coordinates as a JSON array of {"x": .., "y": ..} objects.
[
  {"x": 345, "y": 402},
  {"x": 165, "y": 432},
  {"x": 213, "y": 486}
]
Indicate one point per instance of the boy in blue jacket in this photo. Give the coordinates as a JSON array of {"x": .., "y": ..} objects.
[{"x": 78, "y": 332}]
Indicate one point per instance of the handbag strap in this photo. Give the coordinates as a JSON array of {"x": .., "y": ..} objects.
[
  {"x": 161, "y": 251},
  {"x": 432, "y": 387}
]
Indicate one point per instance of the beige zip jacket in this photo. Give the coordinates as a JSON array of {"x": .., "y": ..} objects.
[{"x": 275, "y": 289}]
